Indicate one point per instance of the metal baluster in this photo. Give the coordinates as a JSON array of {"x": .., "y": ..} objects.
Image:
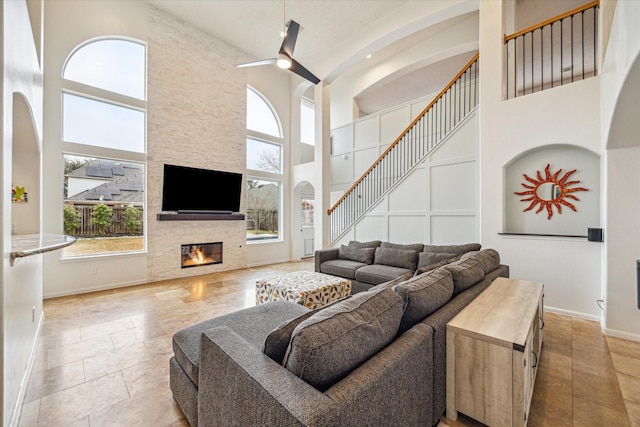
[
  {"x": 595, "y": 45},
  {"x": 572, "y": 48},
  {"x": 582, "y": 40},
  {"x": 552, "y": 53}
]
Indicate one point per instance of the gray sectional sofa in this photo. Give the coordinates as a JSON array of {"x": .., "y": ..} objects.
[
  {"x": 376, "y": 358},
  {"x": 368, "y": 264}
]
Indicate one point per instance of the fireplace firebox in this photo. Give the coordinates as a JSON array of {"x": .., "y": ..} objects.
[{"x": 199, "y": 254}]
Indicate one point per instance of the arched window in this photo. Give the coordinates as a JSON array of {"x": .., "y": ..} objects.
[
  {"x": 104, "y": 134},
  {"x": 264, "y": 161}
]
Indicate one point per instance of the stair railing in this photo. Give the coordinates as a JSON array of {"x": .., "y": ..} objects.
[
  {"x": 431, "y": 126},
  {"x": 560, "y": 50}
]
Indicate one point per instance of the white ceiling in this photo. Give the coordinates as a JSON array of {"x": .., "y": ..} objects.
[{"x": 335, "y": 35}]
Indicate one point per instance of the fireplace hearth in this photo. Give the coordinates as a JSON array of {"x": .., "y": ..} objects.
[{"x": 199, "y": 254}]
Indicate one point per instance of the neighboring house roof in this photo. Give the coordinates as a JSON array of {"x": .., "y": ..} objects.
[{"x": 126, "y": 185}]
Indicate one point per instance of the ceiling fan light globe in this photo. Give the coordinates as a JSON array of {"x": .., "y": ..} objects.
[{"x": 283, "y": 62}]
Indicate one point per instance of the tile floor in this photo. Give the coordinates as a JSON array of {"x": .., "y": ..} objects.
[{"x": 102, "y": 358}]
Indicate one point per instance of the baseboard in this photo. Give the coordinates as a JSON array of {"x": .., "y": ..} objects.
[
  {"x": 95, "y": 289},
  {"x": 17, "y": 410},
  {"x": 576, "y": 314},
  {"x": 278, "y": 261},
  {"x": 621, "y": 334}
]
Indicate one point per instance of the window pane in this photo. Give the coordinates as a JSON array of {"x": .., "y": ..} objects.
[
  {"x": 264, "y": 156},
  {"x": 91, "y": 122},
  {"x": 263, "y": 205},
  {"x": 114, "y": 65},
  {"x": 307, "y": 212},
  {"x": 307, "y": 122},
  {"x": 260, "y": 116},
  {"x": 103, "y": 205}
]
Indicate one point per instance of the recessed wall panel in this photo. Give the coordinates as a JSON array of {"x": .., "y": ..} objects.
[
  {"x": 453, "y": 230},
  {"x": 407, "y": 229},
  {"x": 363, "y": 160},
  {"x": 371, "y": 228},
  {"x": 392, "y": 123},
  {"x": 452, "y": 186},
  {"x": 341, "y": 169},
  {"x": 410, "y": 194},
  {"x": 366, "y": 133},
  {"x": 342, "y": 140}
]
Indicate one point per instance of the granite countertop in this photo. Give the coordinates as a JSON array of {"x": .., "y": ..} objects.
[{"x": 23, "y": 245}]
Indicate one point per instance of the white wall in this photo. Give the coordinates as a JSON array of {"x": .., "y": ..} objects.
[
  {"x": 569, "y": 268},
  {"x": 620, "y": 90},
  {"x": 21, "y": 285}
]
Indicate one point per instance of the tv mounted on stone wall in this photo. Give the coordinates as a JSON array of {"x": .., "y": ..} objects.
[{"x": 193, "y": 190}]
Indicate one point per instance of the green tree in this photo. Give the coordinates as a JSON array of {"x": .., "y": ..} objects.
[
  {"x": 131, "y": 220},
  {"x": 71, "y": 219},
  {"x": 101, "y": 217}
]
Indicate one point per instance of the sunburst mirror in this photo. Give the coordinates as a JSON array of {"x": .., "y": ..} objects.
[{"x": 549, "y": 190}]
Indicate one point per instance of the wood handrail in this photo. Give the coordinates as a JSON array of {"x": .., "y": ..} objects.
[
  {"x": 398, "y": 139},
  {"x": 587, "y": 6}
]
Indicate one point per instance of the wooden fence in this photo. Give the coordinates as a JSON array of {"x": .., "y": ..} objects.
[
  {"x": 262, "y": 219},
  {"x": 118, "y": 225}
]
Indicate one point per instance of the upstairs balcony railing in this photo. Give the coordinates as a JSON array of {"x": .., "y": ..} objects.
[
  {"x": 552, "y": 53},
  {"x": 433, "y": 124}
]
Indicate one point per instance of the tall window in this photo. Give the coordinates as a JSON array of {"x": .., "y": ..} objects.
[
  {"x": 265, "y": 166},
  {"x": 104, "y": 127},
  {"x": 307, "y": 121}
]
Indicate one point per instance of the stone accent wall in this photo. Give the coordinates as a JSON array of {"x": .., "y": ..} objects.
[{"x": 196, "y": 117}]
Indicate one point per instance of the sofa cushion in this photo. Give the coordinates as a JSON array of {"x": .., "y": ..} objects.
[
  {"x": 423, "y": 295},
  {"x": 465, "y": 273},
  {"x": 354, "y": 253},
  {"x": 341, "y": 267},
  {"x": 391, "y": 283},
  {"x": 276, "y": 343},
  {"x": 253, "y": 324},
  {"x": 426, "y": 259},
  {"x": 403, "y": 258},
  {"x": 456, "y": 249},
  {"x": 376, "y": 274},
  {"x": 489, "y": 258},
  {"x": 330, "y": 344},
  {"x": 418, "y": 247},
  {"x": 430, "y": 267},
  {"x": 371, "y": 244}
]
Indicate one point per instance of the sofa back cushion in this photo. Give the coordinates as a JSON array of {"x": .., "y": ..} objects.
[
  {"x": 422, "y": 295},
  {"x": 418, "y": 247},
  {"x": 430, "y": 267},
  {"x": 354, "y": 253},
  {"x": 489, "y": 258},
  {"x": 403, "y": 258},
  {"x": 465, "y": 273},
  {"x": 392, "y": 283},
  {"x": 327, "y": 346},
  {"x": 371, "y": 244},
  {"x": 433, "y": 254},
  {"x": 276, "y": 343}
]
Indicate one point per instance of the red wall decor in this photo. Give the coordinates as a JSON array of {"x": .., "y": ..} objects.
[{"x": 549, "y": 191}]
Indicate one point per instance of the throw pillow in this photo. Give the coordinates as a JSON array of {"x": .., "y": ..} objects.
[
  {"x": 353, "y": 253},
  {"x": 391, "y": 283},
  {"x": 465, "y": 274},
  {"x": 402, "y": 258},
  {"x": 372, "y": 244},
  {"x": 330, "y": 344},
  {"x": 276, "y": 343},
  {"x": 423, "y": 295}
]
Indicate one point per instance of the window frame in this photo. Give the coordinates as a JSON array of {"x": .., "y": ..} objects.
[
  {"x": 83, "y": 90},
  {"x": 279, "y": 237}
]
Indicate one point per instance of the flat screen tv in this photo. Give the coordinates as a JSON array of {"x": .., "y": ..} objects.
[{"x": 192, "y": 190}]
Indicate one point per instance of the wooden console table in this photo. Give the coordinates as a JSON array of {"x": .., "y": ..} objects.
[{"x": 493, "y": 347}]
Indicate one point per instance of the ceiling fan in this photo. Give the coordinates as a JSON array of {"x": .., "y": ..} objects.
[{"x": 285, "y": 55}]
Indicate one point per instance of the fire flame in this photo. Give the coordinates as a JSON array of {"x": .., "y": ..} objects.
[{"x": 197, "y": 255}]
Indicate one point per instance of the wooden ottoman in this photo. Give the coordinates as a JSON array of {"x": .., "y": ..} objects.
[{"x": 307, "y": 288}]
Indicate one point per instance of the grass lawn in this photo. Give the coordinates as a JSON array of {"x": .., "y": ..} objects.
[{"x": 104, "y": 244}]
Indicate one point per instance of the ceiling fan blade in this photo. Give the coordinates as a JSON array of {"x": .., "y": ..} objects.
[
  {"x": 256, "y": 63},
  {"x": 289, "y": 42},
  {"x": 297, "y": 68}
]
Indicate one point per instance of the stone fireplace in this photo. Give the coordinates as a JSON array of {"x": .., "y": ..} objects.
[{"x": 199, "y": 254}]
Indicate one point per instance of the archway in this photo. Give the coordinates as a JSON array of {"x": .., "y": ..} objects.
[{"x": 302, "y": 220}]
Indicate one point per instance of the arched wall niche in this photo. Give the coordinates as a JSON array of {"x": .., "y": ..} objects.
[
  {"x": 25, "y": 214},
  {"x": 543, "y": 208}
]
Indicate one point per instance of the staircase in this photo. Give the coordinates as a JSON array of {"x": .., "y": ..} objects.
[{"x": 421, "y": 137}]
